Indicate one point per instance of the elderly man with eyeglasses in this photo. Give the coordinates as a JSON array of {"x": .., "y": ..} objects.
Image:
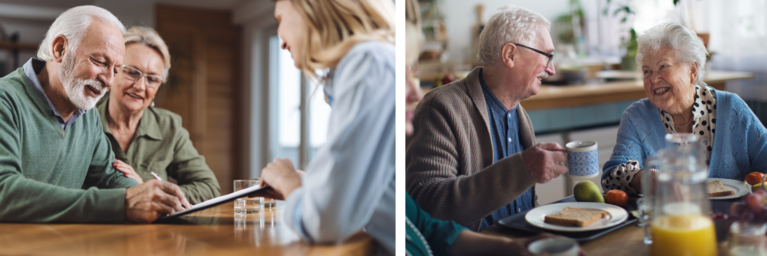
[
  {"x": 55, "y": 161},
  {"x": 473, "y": 157}
]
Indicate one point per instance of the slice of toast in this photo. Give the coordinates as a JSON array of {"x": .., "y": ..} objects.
[
  {"x": 575, "y": 217},
  {"x": 716, "y": 188}
]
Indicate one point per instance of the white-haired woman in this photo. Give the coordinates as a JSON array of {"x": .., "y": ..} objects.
[
  {"x": 672, "y": 60},
  {"x": 148, "y": 138},
  {"x": 350, "y": 185}
]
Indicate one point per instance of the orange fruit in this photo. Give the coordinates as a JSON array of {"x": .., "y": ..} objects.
[
  {"x": 754, "y": 178},
  {"x": 617, "y": 197}
]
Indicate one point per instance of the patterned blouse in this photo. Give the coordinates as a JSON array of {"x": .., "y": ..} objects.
[{"x": 704, "y": 123}]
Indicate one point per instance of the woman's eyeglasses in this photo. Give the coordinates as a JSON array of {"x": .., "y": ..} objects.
[{"x": 134, "y": 74}]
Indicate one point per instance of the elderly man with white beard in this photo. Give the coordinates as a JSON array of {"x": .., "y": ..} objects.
[
  {"x": 473, "y": 157},
  {"x": 55, "y": 161}
]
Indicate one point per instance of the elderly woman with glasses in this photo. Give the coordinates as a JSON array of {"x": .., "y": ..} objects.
[
  {"x": 146, "y": 140},
  {"x": 672, "y": 60}
]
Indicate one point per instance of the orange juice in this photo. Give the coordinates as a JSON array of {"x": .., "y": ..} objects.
[{"x": 683, "y": 235}]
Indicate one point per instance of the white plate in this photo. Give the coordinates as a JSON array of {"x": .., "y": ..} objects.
[
  {"x": 736, "y": 185},
  {"x": 615, "y": 216}
]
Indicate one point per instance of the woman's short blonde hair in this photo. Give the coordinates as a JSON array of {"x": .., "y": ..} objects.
[
  {"x": 335, "y": 26},
  {"x": 149, "y": 37}
]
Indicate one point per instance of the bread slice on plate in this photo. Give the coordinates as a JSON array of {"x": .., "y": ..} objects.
[
  {"x": 715, "y": 188},
  {"x": 575, "y": 217}
]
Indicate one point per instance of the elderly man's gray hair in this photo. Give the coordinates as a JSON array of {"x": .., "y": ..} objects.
[
  {"x": 73, "y": 24},
  {"x": 512, "y": 24},
  {"x": 685, "y": 44}
]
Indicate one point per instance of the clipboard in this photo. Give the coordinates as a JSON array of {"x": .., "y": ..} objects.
[{"x": 214, "y": 202}]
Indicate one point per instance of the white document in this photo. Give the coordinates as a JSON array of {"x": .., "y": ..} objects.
[{"x": 215, "y": 201}]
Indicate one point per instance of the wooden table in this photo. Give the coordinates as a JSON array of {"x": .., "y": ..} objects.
[
  {"x": 625, "y": 241},
  {"x": 216, "y": 231}
]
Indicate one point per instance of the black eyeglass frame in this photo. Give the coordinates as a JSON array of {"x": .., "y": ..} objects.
[{"x": 551, "y": 56}]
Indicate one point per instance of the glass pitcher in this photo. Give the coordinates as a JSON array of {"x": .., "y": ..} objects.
[{"x": 681, "y": 223}]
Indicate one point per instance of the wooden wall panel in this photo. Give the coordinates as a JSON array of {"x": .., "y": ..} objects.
[{"x": 205, "y": 47}]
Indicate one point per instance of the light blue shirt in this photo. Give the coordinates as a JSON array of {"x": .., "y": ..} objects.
[
  {"x": 350, "y": 185},
  {"x": 739, "y": 146},
  {"x": 31, "y": 69}
]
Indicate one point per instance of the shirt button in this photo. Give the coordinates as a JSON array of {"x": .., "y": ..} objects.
[
  {"x": 509, "y": 139},
  {"x": 509, "y": 115},
  {"x": 519, "y": 209}
]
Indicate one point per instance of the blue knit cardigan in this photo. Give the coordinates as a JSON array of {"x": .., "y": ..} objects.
[{"x": 740, "y": 140}]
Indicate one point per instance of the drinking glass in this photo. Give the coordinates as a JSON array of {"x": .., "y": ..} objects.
[
  {"x": 245, "y": 205},
  {"x": 268, "y": 202},
  {"x": 747, "y": 239},
  {"x": 645, "y": 217}
]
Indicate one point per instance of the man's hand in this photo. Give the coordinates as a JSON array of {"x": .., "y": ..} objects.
[
  {"x": 153, "y": 199},
  {"x": 281, "y": 176},
  {"x": 542, "y": 161}
]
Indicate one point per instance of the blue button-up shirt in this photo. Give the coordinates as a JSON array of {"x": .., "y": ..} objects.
[
  {"x": 504, "y": 132},
  {"x": 31, "y": 69}
]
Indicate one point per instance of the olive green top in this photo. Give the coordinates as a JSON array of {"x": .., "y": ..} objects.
[{"x": 162, "y": 145}]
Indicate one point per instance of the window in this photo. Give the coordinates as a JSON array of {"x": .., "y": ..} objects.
[{"x": 294, "y": 131}]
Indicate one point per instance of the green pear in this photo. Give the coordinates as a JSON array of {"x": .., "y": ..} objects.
[{"x": 587, "y": 191}]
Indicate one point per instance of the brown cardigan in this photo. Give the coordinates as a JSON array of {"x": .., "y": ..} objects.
[{"x": 450, "y": 170}]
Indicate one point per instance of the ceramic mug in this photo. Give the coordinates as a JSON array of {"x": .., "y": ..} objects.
[
  {"x": 582, "y": 159},
  {"x": 554, "y": 247}
]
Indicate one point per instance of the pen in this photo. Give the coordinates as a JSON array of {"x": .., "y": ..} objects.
[
  {"x": 156, "y": 176},
  {"x": 160, "y": 179}
]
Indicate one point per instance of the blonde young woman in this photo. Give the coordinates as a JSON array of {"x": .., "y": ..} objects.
[
  {"x": 144, "y": 138},
  {"x": 350, "y": 185}
]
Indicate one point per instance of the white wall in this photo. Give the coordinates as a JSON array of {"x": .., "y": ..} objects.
[{"x": 461, "y": 16}]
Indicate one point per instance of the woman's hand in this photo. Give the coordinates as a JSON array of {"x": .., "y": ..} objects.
[
  {"x": 281, "y": 176},
  {"x": 636, "y": 182},
  {"x": 127, "y": 170}
]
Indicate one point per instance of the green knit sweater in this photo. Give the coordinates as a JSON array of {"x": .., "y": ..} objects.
[{"x": 52, "y": 175}]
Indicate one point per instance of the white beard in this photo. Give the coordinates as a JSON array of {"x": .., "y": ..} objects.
[{"x": 75, "y": 87}]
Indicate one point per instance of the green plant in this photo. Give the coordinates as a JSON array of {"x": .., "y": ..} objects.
[
  {"x": 565, "y": 22},
  {"x": 631, "y": 42}
]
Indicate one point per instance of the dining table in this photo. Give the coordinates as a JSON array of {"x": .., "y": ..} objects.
[
  {"x": 628, "y": 240},
  {"x": 213, "y": 231}
]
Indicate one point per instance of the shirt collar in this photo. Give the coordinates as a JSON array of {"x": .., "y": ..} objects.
[{"x": 32, "y": 68}]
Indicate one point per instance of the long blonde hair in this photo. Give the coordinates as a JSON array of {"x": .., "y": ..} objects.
[{"x": 335, "y": 26}]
